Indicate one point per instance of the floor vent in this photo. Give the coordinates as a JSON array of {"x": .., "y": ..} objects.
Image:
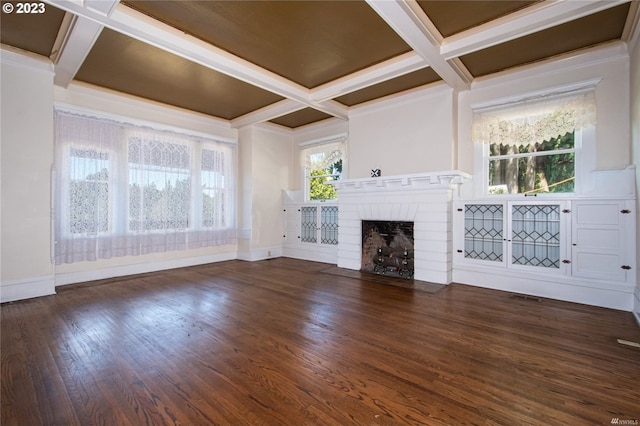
[
  {"x": 629, "y": 343},
  {"x": 526, "y": 297}
]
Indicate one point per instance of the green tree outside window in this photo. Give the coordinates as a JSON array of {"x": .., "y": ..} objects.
[{"x": 318, "y": 187}]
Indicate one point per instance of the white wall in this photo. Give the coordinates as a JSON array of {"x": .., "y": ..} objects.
[
  {"x": 27, "y": 155},
  {"x": 409, "y": 133},
  {"x": 245, "y": 191},
  {"x": 635, "y": 144},
  {"x": 267, "y": 163}
]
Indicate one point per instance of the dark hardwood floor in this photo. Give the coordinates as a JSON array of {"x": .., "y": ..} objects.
[{"x": 283, "y": 342}]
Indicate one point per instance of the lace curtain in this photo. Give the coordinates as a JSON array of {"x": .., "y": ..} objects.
[
  {"x": 319, "y": 157},
  {"x": 125, "y": 190},
  {"x": 530, "y": 122}
]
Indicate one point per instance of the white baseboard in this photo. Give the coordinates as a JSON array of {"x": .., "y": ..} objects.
[
  {"x": 313, "y": 254},
  {"x": 28, "y": 288},
  {"x": 139, "y": 268},
  {"x": 569, "y": 290},
  {"x": 636, "y": 310},
  {"x": 260, "y": 254}
]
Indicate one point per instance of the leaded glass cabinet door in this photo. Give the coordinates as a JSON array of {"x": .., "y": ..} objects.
[
  {"x": 309, "y": 224},
  {"x": 519, "y": 235},
  {"x": 329, "y": 225},
  {"x": 319, "y": 225},
  {"x": 538, "y": 236},
  {"x": 484, "y": 232},
  {"x": 535, "y": 235}
]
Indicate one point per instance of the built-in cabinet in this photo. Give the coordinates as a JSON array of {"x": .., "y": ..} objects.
[
  {"x": 311, "y": 231},
  {"x": 600, "y": 236},
  {"x": 577, "y": 238}
]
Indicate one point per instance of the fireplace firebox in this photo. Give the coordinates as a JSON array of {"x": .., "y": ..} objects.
[{"x": 388, "y": 248}]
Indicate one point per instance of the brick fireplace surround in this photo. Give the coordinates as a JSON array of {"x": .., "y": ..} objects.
[{"x": 425, "y": 199}]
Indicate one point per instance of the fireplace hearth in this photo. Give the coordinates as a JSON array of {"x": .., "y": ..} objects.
[{"x": 388, "y": 248}]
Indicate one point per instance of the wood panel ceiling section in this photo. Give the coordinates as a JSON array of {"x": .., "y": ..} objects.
[
  {"x": 31, "y": 32},
  {"x": 452, "y": 16},
  {"x": 301, "y": 118},
  {"x": 396, "y": 85},
  {"x": 298, "y": 62},
  {"x": 307, "y": 42},
  {"x": 569, "y": 37},
  {"x": 127, "y": 65}
]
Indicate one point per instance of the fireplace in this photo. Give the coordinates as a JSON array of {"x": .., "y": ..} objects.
[
  {"x": 424, "y": 200},
  {"x": 387, "y": 248}
]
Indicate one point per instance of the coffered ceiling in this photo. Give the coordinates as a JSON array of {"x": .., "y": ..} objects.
[{"x": 295, "y": 63}]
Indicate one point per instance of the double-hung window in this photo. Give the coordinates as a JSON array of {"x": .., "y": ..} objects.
[
  {"x": 159, "y": 184},
  {"x": 533, "y": 146},
  {"x": 123, "y": 189},
  {"x": 89, "y": 190},
  {"x": 323, "y": 163}
]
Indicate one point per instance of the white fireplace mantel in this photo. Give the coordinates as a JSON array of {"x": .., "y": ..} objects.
[
  {"x": 420, "y": 181},
  {"x": 424, "y": 199}
]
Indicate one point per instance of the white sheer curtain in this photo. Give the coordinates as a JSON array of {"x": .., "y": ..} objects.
[
  {"x": 320, "y": 156},
  {"x": 125, "y": 190},
  {"x": 535, "y": 120}
]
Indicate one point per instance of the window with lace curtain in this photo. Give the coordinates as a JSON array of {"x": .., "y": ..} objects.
[
  {"x": 533, "y": 146},
  {"x": 123, "y": 189},
  {"x": 322, "y": 163}
]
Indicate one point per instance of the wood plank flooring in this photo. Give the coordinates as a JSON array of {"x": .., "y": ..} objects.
[{"x": 280, "y": 342}]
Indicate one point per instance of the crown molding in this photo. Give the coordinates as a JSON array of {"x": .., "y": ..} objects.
[
  {"x": 21, "y": 58},
  {"x": 110, "y": 104},
  {"x": 612, "y": 51},
  {"x": 393, "y": 101},
  {"x": 521, "y": 23}
]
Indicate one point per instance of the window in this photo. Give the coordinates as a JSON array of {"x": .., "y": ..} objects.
[
  {"x": 548, "y": 166},
  {"x": 534, "y": 146},
  {"x": 323, "y": 163},
  {"x": 88, "y": 191},
  {"x": 318, "y": 179},
  {"x": 214, "y": 178},
  {"x": 127, "y": 190},
  {"x": 159, "y": 185}
]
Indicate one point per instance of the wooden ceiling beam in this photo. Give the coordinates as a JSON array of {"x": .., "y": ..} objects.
[
  {"x": 146, "y": 29},
  {"x": 534, "y": 18},
  {"x": 375, "y": 74},
  {"x": 410, "y": 22},
  {"x": 631, "y": 32},
  {"x": 76, "y": 37},
  {"x": 75, "y": 40},
  {"x": 284, "y": 107}
]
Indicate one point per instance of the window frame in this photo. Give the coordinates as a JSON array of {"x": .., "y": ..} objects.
[
  {"x": 148, "y": 137},
  {"x": 197, "y": 187},
  {"x": 306, "y": 171},
  {"x": 575, "y": 150},
  {"x": 585, "y": 161},
  {"x": 67, "y": 181},
  {"x": 119, "y": 176},
  {"x": 307, "y": 183}
]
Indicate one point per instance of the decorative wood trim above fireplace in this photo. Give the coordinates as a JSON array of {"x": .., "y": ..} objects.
[{"x": 434, "y": 180}]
